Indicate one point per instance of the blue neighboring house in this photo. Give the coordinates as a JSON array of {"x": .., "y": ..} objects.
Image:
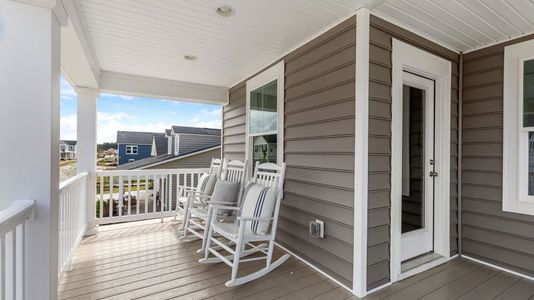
[{"x": 134, "y": 145}]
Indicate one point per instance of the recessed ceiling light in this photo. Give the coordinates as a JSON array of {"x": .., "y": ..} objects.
[
  {"x": 190, "y": 57},
  {"x": 225, "y": 11}
]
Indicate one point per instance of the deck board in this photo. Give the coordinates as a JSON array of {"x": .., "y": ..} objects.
[{"x": 146, "y": 260}]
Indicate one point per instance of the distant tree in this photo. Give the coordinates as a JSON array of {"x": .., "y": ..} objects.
[{"x": 106, "y": 146}]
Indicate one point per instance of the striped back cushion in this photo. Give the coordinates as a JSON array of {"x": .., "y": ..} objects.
[
  {"x": 258, "y": 201},
  {"x": 206, "y": 182}
]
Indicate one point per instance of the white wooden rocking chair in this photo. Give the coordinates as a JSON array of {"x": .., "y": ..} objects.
[
  {"x": 198, "y": 216},
  {"x": 186, "y": 192},
  {"x": 257, "y": 222}
]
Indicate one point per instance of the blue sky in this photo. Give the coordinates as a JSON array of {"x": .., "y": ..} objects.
[{"x": 136, "y": 114}]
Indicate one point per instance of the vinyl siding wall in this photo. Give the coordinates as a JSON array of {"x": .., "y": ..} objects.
[
  {"x": 501, "y": 238},
  {"x": 191, "y": 142},
  {"x": 201, "y": 160},
  {"x": 381, "y": 35},
  {"x": 319, "y": 148}
]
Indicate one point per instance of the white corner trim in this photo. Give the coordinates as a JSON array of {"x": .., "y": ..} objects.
[
  {"x": 406, "y": 57},
  {"x": 361, "y": 156},
  {"x": 314, "y": 267},
  {"x": 515, "y": 197},
  {"x": 498, "y": 268},
  {"x": 135, "y": 85},
  {"x": 179, "y": 157}
]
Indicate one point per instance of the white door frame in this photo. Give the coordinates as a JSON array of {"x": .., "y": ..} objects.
[{"x": 409, "y": 58}]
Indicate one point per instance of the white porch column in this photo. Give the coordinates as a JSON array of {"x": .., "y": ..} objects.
[
  {"x": 86, "y": 149},
  {"x": 29, "y": 131}
]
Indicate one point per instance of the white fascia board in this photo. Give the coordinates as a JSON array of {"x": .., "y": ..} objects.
[
  {"x": 79, "y": 62},
  {"x": 142, "y": 86}
]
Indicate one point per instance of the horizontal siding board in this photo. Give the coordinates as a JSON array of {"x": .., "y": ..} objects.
[
  {"x": 329, "y": 194},
  {"x": 340, "y": 110},
  {"x": 328, "y": 128},
  {"x": 310, "y": 206},
  {"x": 335, "y": 228},
  {"x": 344, "y": 180},
  {"x": 502, "y": 238},
  {"x": 326, "y": 97},
  {"x": 324, "y": 260}
]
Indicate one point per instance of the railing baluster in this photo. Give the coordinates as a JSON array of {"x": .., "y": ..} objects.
[
  {"x": 14, "y": 266},
  {"x": 23, "y": 259},
  {"x": 3, "y": 273},
  {"x": 129, "y": 195},
  {"x": 101, "y": 210},
  {"x": 137, "y": 197}
]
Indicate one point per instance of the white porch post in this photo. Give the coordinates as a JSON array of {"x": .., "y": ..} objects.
[
  {"x": 29, "y": 131},
  {"x": 86, "y": 150}
]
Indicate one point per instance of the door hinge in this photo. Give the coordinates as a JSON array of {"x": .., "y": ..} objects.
[{"x": 433, "y": 174}]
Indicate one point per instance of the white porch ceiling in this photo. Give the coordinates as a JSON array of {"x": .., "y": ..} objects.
[
  {"x": 462, "y": 25},
  {"x": 151, "y": 37}
]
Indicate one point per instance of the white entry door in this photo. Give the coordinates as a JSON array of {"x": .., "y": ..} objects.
[{"x": 418, "y": 173}]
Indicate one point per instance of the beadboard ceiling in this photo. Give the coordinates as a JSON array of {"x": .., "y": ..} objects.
[
  {"x": 462, "y": 25},
  {"x": 151, "y": 37}
]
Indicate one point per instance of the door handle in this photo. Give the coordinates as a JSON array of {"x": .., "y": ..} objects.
[{"x": 433, "y": 174}]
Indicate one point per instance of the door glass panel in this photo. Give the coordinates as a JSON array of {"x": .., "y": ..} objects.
[
  {"x": 263, "y": 110},
  {"x": 528, "y": 93},
  {"x": 413, "y": 159},
  {"x": 531, "y": 163},
  {"x": 264, "y": 148}
]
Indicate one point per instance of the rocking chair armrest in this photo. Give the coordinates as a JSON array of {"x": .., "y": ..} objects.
[
  {"x": 212, "y": 202},
  {"x": 245, "y": 219},
  {"x": 226, "y": 207}
]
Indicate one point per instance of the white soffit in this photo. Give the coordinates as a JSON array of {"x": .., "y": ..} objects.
[
  {"x": 462, "y": 25},
  {"x": 150, "y": 37}
]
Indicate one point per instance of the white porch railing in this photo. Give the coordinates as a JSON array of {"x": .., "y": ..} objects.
[
  {"x": 132, "y": 195},
  {"x": 12, "y": 246},
  {"x": 72, "y": 203}
]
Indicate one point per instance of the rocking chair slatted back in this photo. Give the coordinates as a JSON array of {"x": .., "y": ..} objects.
[
  {"x": 216, "y": 166},
  {"x": 235, "y": 171}
]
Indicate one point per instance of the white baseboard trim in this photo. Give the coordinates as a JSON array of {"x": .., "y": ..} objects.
[
  {"x": 390, "y": 283},
  {"x": 314, "y": 267},
  {"x": 376, "y": 289},
  {"x": 498, "y": 268}
]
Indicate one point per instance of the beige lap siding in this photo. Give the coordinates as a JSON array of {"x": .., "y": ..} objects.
[
  {"x": 488, "y": 233},
  {"x": 319, "y": 148},
  {"x": 381, "y": 35}
]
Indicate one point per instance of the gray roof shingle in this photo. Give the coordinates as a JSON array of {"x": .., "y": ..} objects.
[
  {"x": 196, "y": 130},
  {"x": 135, "y": 137},
  {"x": 155, "y": 159}
]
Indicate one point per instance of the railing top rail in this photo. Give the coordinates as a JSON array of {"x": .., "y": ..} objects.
[
  {"x": 151, "y": 172},
  {"x": 73, "y": 180},
  {"x": 18, "y": 212}
]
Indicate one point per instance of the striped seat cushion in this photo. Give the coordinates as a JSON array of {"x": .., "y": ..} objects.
[
  {"x": 206, "y": 182},
  {"x": 258, "y": 202}
]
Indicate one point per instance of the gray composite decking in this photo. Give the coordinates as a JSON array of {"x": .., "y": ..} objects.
[{"x": 147, "y": 261}]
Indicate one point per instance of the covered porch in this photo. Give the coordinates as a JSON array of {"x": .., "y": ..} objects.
[{"x": 337, "y": 73}]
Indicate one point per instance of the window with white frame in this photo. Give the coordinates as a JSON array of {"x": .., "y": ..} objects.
[
  {"x": 265, "y": 116},
  {"x": 518, "y": 138},
  {"x": 131, "y": 149}
]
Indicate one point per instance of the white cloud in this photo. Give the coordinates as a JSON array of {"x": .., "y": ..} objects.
[
  {"x": 68, "y": 127},
  {"x": 66, "y": 90},
  {"x": 123, "y": 97}
]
